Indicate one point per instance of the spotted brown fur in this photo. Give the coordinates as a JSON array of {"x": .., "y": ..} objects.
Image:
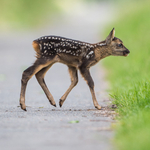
[{"x": 53, "y": 45}]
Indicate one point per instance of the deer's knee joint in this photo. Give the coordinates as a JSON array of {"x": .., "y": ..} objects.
[
  {"x": 25, "y": 77},
  {"x": 27, "y": 74}
]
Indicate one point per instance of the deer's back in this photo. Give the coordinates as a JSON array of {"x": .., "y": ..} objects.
[{"x": 69, "y": 51}]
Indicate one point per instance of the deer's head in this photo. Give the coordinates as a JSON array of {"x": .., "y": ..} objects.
[{"x": 115, "y": 45}]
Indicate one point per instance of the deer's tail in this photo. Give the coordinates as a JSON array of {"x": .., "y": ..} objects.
[{"x": 36, "y": 47}]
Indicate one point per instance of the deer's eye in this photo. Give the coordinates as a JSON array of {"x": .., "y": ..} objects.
[{"x": 120, "y": 45}]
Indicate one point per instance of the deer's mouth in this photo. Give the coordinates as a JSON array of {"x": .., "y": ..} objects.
[{"x": 126, "y": 52}]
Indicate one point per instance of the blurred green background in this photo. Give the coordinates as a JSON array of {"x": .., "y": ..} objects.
[{"x": 25, "y": 13}]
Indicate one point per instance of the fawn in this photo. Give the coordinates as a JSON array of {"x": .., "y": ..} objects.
[{"x": 76, "y": 55}]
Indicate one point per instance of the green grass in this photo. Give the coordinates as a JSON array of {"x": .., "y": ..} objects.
[
  {"x": 133, "y": 133},
  {"x": 129, "y": 77}
]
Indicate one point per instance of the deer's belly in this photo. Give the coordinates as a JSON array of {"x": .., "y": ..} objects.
[{"x": 70, "y": 60}]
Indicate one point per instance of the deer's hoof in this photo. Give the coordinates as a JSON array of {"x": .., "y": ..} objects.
[
  {"x": 53, "y": 103},
  {"x": 98, "y": 107},
  {"x": 23, "y": 107},
  {"x": 60, "y": 102}
]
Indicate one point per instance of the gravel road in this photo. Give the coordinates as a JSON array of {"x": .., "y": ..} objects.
[{"x": 77, "y": 125}]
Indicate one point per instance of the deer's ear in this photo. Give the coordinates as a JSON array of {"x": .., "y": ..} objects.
[{"x": 110, "y": 36}]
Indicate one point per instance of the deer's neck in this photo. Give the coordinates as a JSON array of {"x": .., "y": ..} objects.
[{"x": 101, "y": 51}]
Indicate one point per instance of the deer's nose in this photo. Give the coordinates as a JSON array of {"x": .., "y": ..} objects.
[{"x": 127, "y": 51}]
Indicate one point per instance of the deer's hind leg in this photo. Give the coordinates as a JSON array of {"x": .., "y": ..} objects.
[
  {"x": 27, "y": 74},
  {"x": 40, "y": 78},
  {"x": 74, "y": 81}
]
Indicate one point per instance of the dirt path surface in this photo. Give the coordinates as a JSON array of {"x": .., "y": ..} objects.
[{"x": 44, "y": 126}]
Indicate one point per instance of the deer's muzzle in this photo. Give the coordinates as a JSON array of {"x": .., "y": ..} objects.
[{"x": 126, "y": 52}]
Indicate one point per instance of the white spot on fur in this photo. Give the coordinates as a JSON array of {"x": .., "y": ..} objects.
[
  {"x": 91, "y": 46},
  {"x": 87, "y": 56},
  {"x": 91, "y": 52},
  {"x": 101, "y": 44}
]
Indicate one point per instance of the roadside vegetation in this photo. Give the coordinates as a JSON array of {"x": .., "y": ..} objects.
[{"x": 130, "y": 76}]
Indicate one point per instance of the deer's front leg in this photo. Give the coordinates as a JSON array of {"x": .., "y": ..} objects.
[
  {"x": 86, "y": 75},
  {"x": 74, "y": 81},
  {"x": 40, "y": 77}
]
